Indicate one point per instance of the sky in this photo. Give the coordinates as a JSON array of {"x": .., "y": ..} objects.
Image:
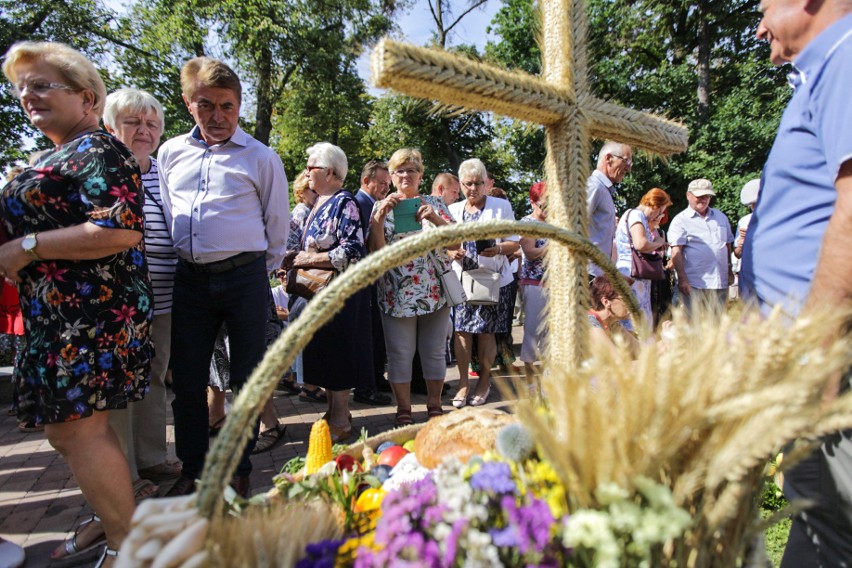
[{"x": 417, "y": 26}]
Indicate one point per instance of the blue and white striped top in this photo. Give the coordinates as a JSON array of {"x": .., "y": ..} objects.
[{"x": 159, "y": 249}]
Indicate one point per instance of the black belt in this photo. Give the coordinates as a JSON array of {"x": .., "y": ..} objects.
[{"x": 224, "y": 265}]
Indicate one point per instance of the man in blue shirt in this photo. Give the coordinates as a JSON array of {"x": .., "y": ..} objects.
[{"x": 796, "y": 254}]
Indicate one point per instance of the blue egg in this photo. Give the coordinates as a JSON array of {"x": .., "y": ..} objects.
[
  {"x": 383, "y": 446},
  {"x": 381, "y": 472}
]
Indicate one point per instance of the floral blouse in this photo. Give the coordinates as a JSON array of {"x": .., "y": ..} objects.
[
  {"x": 335, "y": 228},
  {"x": 533, "y": 269},
  {"x": 298, "y": 217},
  {"x": 413, "y": 289}
]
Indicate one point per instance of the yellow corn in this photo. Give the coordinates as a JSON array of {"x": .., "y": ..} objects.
[{"x": 319, "y": 447}]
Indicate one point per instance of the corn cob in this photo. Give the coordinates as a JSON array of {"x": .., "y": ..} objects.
[{"x": 319, "y": 447}]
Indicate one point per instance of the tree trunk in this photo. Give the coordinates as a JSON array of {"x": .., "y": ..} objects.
[
  {"x": 703, "y": 67},
  {"x": 265, "y": 101}
]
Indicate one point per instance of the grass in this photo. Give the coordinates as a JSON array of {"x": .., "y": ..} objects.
[{"x": 776, "y": 539}]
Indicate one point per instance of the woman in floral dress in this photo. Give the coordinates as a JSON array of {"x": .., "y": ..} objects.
[
  {"x": 76, "y": 223},
  {"x": 532, "y": 276},
  {"x": 414, "y": 313},
  {"x": 339, "y": 356}
]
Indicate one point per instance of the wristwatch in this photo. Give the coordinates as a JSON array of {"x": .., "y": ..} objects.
[{"x": 29, "y": 244}]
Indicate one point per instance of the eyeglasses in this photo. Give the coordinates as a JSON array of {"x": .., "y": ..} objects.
[
  {"x": 408, "y": 172},
  {"x": 309, "y": 169},
  {"x": 39, "y": 88},
  {"x": 472, "y": 184},
  {"x": 628, "y": 161}
]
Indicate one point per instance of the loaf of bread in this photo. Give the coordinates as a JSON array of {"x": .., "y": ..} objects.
[{"x": 461, "y": 434}]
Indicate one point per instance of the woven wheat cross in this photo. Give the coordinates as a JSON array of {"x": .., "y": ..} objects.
[{"x": 572, "y": 116}]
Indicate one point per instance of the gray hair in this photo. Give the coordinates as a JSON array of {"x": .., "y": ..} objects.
[
  {"x": 126, "y": 101},
  {"x": 610, "y": 148},
  {"x": 328, "y": 155},
  {"x": 473, "y": 167}
]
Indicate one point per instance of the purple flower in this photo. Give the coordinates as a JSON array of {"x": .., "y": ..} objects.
[
  {"x": 494, "y": 477},
  {"x": 527, "y": 527},
  {"x": 459, "y": 527},
  {"x": 320, "y": 554}
]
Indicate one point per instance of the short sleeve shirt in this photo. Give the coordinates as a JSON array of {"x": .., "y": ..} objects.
[
  {"x": 705, "y": 246},
  {"x": 798, "y": 192}
]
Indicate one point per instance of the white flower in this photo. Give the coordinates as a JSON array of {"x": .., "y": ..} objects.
[
  {"x": 608, "y": 493},
  {"x": 591, "y": 530}
]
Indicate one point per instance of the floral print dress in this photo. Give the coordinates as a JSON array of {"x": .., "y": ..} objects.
[
  {"x": 340, "y": 354},
  {"x": 413, "y": 289},
  {"x": 87, "y": 321}
]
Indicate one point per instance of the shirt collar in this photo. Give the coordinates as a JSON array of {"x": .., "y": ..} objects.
[
  {"x": 372, "y": 199},
  {"x": 694, "y": 213},
  {"x": 240, "y": 138},
  {"x": 818, "y": 50},
  {"x": 601, "y": 177}
]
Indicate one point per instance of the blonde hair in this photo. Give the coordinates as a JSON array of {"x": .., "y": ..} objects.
[
  {"x": 300, "y": 186},
  {"x": 124, "y": 101},
  {"x": 208, "y": 72},
  {"x": 75, "y": 68},
  {"x": 406, "y": 156}
]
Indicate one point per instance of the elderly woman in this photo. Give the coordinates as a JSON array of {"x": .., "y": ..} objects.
[
  {"x": 136, "y": 118},
  {"x": 76, "y": 224},
  {"x": 414, "y": 313},
  {"x": 642, "y": 223},
  {"x": 480, "y": 320},
  {"x": 339, "y": 356},
  {"x": 532, "y": 276}
]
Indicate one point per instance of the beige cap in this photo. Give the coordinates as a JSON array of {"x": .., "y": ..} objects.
[{"x": 699, "y": 187}]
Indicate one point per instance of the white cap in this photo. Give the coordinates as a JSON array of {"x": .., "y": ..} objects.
[{"x": 748, "y": 195}]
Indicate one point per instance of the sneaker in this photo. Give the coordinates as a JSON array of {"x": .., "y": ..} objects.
[{"x": 372, "y": 398}]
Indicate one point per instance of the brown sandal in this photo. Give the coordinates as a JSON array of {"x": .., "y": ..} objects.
[
  {"x": 403, "y": 417},
  {"x": 434, "y": 411}
]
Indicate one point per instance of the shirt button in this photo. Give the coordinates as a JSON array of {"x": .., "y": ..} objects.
[{"x": 194, "y": 234}]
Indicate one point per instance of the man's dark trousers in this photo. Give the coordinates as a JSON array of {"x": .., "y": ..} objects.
[{"x": 202, "y": 303}]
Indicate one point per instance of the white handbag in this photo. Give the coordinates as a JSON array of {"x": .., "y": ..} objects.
[
  {"x": 482, "y": 286},
  {"x": 453, "y": 292}
]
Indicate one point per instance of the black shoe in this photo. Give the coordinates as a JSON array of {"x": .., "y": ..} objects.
[
  {"x": 372, "y": 398},
  {"x": 382, "y": 385},
  {"x": 183, "y": 486}
]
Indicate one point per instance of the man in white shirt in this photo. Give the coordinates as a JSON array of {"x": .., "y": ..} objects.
[
  {"x": 227, "y": 206},
  {"x": 615, "y": 160},
  {"x": 701, "y": 241}
]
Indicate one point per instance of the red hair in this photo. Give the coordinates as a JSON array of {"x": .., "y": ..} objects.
[
  {"x": 656, "y": 197},
  {"x": 537, "y": 191}
]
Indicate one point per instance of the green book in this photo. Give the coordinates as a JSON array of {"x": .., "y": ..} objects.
[{"x": 405, "y": 216}]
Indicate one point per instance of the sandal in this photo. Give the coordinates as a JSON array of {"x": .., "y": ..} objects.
[
  {"x": 216, "y": 427},
  {"x": 340, "y": 435},
  {"x": 144, "y": 488},
  {"x": 288, "y": 387},
  {"x": 107, "y": 552},
  {"x": 403, "y": 417},
  {"x": 434, "y": 411},
  {"x": 315, "y": 395},
  {"x": 30, "y": 427},
  {"x": 161, "y": 472},
  {"x": 71, "y": 552},
  {"x": 267, "y": 439}
]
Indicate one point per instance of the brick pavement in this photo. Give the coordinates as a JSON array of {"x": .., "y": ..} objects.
[{"x": 40, "y": 503}]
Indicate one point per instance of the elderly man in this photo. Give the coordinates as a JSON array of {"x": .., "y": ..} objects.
[
  {"x": 701, "y": 240},
  {"x": 226, "y": 203},
  {"x": 615, "y": 160},
  {"x": 796, "y": 254},
  {"x": 446, "y": 186},
  {"x": 375, "y": 183}
]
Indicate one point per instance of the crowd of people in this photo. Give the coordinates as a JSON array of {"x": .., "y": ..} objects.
[{"x": 133, "y": 265}]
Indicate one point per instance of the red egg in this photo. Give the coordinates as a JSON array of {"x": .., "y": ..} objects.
[
  {"x": 345, "y": 462},
  {"x": 392, "y": 455}
]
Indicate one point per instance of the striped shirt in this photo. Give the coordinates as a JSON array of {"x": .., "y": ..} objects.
[{"x": 159, "y": 250}]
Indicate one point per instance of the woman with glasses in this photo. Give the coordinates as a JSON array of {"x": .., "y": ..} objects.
[
  {"x": 480, "y": 320},
  {"x": 76, "y": 221},
  {"x": 411, "y": 301},
  {"x": 339, "y": 356}
]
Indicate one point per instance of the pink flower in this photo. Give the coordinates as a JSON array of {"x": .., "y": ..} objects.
[
  {"x": 125, "y": 314},
  {"x": 124, "y": 195},
  {"x": 52, "y": 273}
]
